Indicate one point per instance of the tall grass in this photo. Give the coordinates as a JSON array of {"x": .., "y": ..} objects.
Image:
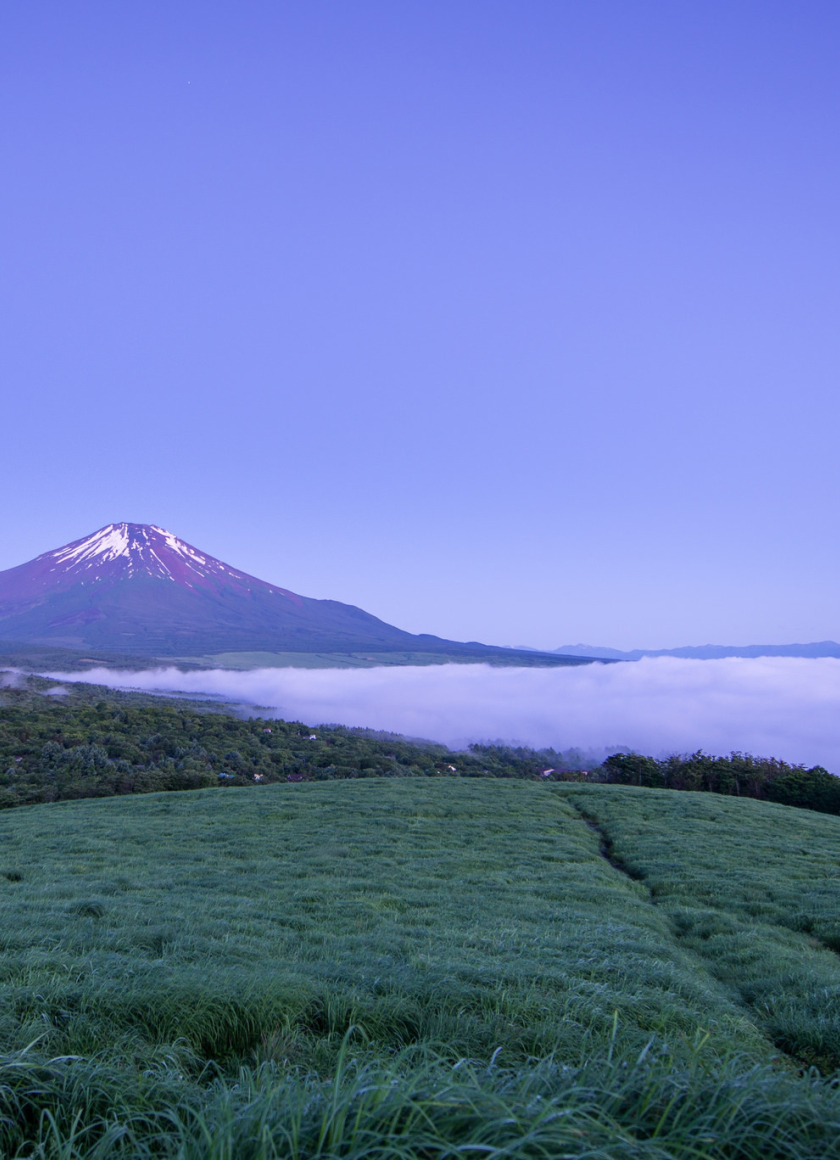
[
  {"x": 467, "y": 914},
  {"x": 417, "y": 1105},
  {"x": 423, "y": 969}
]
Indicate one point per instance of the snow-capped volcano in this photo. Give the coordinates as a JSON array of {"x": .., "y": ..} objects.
[
  {"x": 125, "y": 550},
  {"x": 134, "y": 547},
  {"x": 136, "y": 588}
]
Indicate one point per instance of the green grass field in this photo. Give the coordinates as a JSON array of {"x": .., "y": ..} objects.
[{"x": 419, "y": 968}]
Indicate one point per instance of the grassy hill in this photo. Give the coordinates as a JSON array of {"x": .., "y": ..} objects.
[{"x": 419, "y": 968}]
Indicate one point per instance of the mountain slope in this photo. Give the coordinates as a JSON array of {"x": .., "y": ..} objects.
[{"x": 138, "y": 589}]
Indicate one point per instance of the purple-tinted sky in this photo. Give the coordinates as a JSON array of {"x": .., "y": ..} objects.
[{"x": 506, "y": 321}]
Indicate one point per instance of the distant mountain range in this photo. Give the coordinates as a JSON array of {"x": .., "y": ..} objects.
[
  {"x": 136, "y": 589},
  {"x": 706, "y": 652}
]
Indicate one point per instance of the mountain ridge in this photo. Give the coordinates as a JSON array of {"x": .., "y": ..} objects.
[{"x": 825, "y": 648}]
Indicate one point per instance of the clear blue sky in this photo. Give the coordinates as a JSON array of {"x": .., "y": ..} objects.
[{"x": 506, "y": 321}]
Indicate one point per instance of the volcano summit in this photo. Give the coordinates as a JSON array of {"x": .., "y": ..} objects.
[{"x": 137, "y": 589}]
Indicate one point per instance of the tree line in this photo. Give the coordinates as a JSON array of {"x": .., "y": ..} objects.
[{"x": 739, "y": 775}]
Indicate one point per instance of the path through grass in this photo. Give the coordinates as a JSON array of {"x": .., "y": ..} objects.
[{"x": 751, "y": 888}]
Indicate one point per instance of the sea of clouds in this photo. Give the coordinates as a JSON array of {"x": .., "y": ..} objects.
[{"x": 785, "y": 707}]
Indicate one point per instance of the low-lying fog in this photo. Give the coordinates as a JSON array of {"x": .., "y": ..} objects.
[{"x": 784, "y": 707}]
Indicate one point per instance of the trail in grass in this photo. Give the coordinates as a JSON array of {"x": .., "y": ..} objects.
[{"x": 751, "y": 888}]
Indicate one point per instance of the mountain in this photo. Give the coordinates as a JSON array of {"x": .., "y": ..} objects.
[
  {"x": 137, "y": 589},
  {"x": 706, "y": 652}
]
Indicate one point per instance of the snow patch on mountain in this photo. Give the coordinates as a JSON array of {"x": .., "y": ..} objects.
[
  {"x": 108, "y": 543},
  {"x": 126, "y": 551},
  {"x": 181, "y": 548},
  {"x": 136, "y": 549}
]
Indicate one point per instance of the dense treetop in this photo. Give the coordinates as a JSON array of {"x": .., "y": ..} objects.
[{"x": 96, "y": 743}]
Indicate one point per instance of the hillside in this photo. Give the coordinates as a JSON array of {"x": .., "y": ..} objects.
[
  {"x": 137, "y": 590},
  {"x": 670, "y": 958}
]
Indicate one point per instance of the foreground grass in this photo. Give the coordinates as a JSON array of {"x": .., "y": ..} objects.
[
  {"x": 467, "y": 914},
  {"x": 605, "y": 1109},
  {"x": 308, "y": 970}
]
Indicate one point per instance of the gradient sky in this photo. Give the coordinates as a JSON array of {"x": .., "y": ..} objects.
[{"x": 506, "y": 321}]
